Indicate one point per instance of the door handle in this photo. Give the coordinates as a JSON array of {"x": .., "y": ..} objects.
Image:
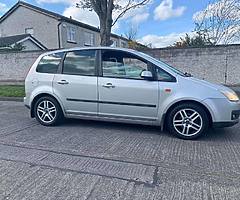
[
  {"x": 109, "y": 85},
  {"x": 63, "y": 82}
]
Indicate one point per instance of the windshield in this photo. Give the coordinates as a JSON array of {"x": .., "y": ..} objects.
[{"x": 164, "y": 64}]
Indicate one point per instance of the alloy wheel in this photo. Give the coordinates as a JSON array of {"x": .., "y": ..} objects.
[
  {"x": 46, "y": 111},
  {"x": 187, "y": 122}
]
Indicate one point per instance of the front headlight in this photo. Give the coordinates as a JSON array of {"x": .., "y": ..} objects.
[{"x": 231, "y": 95}]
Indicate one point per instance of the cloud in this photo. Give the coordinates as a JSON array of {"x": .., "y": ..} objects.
[
  {"x": 165, "y": 10},
  {"x": 135, "y": 16},
  {"x": 158, "y": 41},
  {"x": 3, "y": 7},
  {"x": 137, "y": 19},
  {"x": 82, "y": 15}
]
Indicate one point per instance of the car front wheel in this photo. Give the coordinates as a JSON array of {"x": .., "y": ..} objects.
[
  {"x": 188, "y": 121},
  {"x": 48, "y": 111}
]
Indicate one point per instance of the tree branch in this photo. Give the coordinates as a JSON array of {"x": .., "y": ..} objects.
[{"x": 130, "y": 5}]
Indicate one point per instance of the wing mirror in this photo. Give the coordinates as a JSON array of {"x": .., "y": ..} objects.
[{"x": 147, "y": 75}]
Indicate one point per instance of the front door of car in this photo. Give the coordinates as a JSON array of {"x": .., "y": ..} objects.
[
  {"x": 76, "y": 84},
  {"x": 123, "y": 93}
]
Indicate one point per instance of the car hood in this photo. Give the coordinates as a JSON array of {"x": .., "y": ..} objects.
[{"x": 209, "y": 84}]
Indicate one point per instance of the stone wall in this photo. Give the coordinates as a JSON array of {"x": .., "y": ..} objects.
[
  {"x": 219, "y": 64},
  {"x": 14, "y": 66},
  {"x": 216, "y": 64}
]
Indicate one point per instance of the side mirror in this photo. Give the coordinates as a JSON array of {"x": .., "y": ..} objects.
[{"x": 147, "y": 75}]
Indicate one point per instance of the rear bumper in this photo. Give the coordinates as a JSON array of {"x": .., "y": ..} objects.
[
  {"x": 27, "y": 106},
  {"x": 26, "y": 103}
]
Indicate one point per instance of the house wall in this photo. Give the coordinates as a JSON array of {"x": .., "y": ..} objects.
[{"x": 45, "y": 27}]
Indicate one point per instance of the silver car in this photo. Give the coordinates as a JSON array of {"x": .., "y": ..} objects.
[{"x": 124, "y": 85}]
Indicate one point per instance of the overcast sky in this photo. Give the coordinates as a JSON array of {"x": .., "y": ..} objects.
[{"x": 161, "y": 23}]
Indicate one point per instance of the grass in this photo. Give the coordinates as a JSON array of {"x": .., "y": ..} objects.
[{"x": 12, "y": 91}]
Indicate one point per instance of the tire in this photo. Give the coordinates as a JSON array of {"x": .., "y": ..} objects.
[
  {"x": 188, "y": 121},
  {"x": 48, "y": 111}
]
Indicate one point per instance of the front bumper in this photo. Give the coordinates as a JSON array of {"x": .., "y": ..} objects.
[
  {"x": 224, "y": 124},
  {"x": 224, "y": 112}
]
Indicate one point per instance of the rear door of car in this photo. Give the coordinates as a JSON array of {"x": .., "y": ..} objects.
[{"x": 76, "y": 83}]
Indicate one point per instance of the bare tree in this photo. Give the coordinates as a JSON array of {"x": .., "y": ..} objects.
[
  {"x": 105, "y": 8},
  {"x": 131, "y": 33},
  {"x": 220, "y": 21}
]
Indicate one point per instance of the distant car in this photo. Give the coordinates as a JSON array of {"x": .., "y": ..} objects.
[{"x": 124, "y": 85}]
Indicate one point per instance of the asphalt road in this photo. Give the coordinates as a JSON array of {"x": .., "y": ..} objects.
[{"x": 97, "y": 160}]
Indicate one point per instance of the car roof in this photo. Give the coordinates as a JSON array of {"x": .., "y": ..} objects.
[{"x": 91, "y": 48}]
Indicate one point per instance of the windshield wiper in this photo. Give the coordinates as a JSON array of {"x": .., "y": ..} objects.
[{"x": 187, "y": 74}]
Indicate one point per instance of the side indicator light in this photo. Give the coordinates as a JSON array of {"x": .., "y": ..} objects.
[{"x": 168, "y": 90}]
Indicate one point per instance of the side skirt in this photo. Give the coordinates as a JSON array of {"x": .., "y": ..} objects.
[{"x": 121, "y": 119}]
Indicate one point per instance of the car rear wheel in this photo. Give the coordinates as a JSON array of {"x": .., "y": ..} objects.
[
  {"x": 48, "y": 111},
  {"x": 188, "y": 121}
]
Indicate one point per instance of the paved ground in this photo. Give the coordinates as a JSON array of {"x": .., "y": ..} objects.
[{"x": 97, "y": 160}]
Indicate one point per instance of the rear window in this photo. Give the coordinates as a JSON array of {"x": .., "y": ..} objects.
[
  {"x": 80, "y": 63},
  {"x": 50, "y": 63}
]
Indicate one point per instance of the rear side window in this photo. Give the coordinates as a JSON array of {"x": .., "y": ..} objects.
[
  {"x": 80, "y": 63},
  {"x": 50, "y": 63}
]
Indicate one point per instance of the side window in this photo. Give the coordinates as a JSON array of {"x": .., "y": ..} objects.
[
  {"x": 164, "y": 76},
  {"x": 122, "y": 65},
  {"x": 80, "y": 62},
  {"x": 71, "y": 34},
  {"x": 88, "y": 39},
  {"x": 50, "y": 63}
]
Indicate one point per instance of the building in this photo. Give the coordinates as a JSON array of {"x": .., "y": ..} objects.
[
  {"x": 25, "y": 41},
  {"x": 51, "y": 29}
]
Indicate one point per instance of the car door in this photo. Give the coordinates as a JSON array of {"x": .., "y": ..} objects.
[
  {"x": 122, "y": 91},
  {"x": 76, "y": 84}
]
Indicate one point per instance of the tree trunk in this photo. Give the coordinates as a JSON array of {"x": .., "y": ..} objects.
[
  {"x": 106, "y": 21},
  {"x": 105, "y": 33}
]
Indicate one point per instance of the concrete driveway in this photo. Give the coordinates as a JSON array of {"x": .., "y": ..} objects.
[{"x": 97, "y": 160}]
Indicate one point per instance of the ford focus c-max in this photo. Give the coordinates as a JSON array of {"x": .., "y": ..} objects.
[{"x": 124, "y": 85}]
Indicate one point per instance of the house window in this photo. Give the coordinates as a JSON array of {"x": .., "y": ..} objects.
[
  {"x": 71, "y": 34},
  {"x": 124, "y": 44},
  {"x": 88, "y": 39},
  {"x": 29, "y": 31},
  {"x": 114, "y": 44}
]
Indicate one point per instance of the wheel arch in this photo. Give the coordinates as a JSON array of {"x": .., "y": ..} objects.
[
  {"x": 164, "y": 117},
  {"x": 43, "y": 95}
]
